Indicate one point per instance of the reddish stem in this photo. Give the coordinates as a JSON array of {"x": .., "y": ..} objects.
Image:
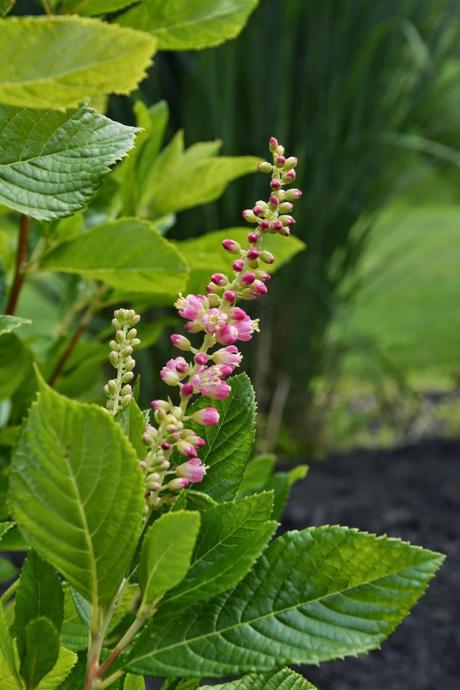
[{"x": 21, "y": 260}]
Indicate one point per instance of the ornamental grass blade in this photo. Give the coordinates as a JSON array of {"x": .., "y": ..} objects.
[
  {"x": 51, "y": 163},
  {"x": 315, "y": 595},
  {"x": 76, "y": 492}
]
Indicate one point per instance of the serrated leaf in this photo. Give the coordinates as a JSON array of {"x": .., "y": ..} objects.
[
  {"x": 9, "y": 323},
  {"x": 51, "y": 163},
  {"x": 64, "y": 60},
  {"x": 281, "y": 484},
  {"x": 91, "y": 8},
  {"x": 125, "y": 253},
  {"x": 15, "y": 364},
  {"x": 133, "y": 683},
  {"x": 257, "y": 474},
  {"x": 319, "y": 594},
  {"x": 202, "y": 252},
  {"x": 228, "y": 443},
  {"x": 76, "y": 491},
  {"x": 41, "y": 651},
  {"x": 39, "y": 595},
  {"x": 190, "y": 24},
  {"x": 166, "y": 553},
  {"x": 179, "y": 179},
  {"x": 279, "y": 680},
  {"x": 6, "y": 648},
  {"x": 52, "y": 681},
  {"x": 232, "y": 537},
  {"x": 132, "y": 422}
]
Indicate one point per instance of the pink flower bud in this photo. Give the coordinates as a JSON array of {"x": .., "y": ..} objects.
[
  {"x": 208, "y": 416},
  {"x": 193, "y": 470},
  {"x": 201, "y": 358},
  {"x": 285, "y": 232},
  {"x": 238, "y": 265},
  {"x": 258, "y": 288},
  {"x": 178, "y": 483},
  {"x": 212, "y": 288},
  {"x": 292, "y": 194},
  {"x": 280, "y": 161},
  {"x": 169, "y": 376},
  {"x": 273, "y": 144},
  {"x": 180, "y": 341},
  {"x": 159, "y": 405},
  {"x": 274, "y": 202},
  {"x": 249, "y": 216},
  {"x": 186, "y": 448},
  {"x": 165, "y": 445},
  {"x": 219, "y": 279},
  {"x": 253, "y": 237},
  {"x": 257, "y": 210},
  {"x": 265, "y": 225},
  {"x": 290, "y": 162},
  {"x": 231, "y": 246},
  {"x": 276, "y": 184},
  {"x": 252, "y": 253},
  {"x": 226, "y": 370},
  {"x": 228, "y": 355},
  {"x": 267, "y": 257},
  {"x": 277, "y": 225},
  {"x": 285, "y": 207},
  {"x": 229, "y": 296},
  {"x": 290, "y": 176},
  {"x": 248, "y": 278},
  {"x": 187, "y": 390}
]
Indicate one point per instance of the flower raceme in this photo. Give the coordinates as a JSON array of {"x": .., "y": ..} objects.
[{"x": 216, "y": 316}]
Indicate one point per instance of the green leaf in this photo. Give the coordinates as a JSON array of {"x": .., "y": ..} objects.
[
  {"x": 7, "y": 570},
  {"x": 202, "y": 252},
  {"x": 180, "y": 179},
  {"x": 9, "y": 323},
  {"x": 41, "y": 651},
  {"x": 228, "y": 443},
  {"x": 15, "y": 364},
  {"x": 166, "y": 553},
  {"x": 190, "y": 24},
  {"x": 51, "y": 163},
  {"x": 39, "y": 595},
  {"x": 76, "y": 491},
  {"x": 74, "y": 633},
  {"x": 319, "y": 594},
  {"x": 64, "y": 665},
  {"x": 131, "y": 420},
  {"x": 133, "y": 683},
  {"x": 6, "y": 648},
  {"x": 126, "y": 254},
  {"x": 257, "y": 474},
  {"x": 64, "y": 60},
  {"x": 279, "y": 680},
  {"x": 281, "y": 484},
  {"x": 232, "y": 537},
  {"x": 91, "y": 8},
  {"x": 180, "y": 684}
]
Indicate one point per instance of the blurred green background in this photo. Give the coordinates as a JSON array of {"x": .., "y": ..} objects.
[{"x": 360, "y": 339}]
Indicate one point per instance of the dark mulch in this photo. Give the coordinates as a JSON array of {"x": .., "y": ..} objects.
[{"x": 412, "y": 493}]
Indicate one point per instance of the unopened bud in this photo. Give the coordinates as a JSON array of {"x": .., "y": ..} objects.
[
  {"x": 265, "y": 167},
  {"x": 267, "y": 257},
  {"x": 231, "y": 246}
]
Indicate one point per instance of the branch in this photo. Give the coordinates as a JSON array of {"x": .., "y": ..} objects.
[{"x": 21, "y": 260}]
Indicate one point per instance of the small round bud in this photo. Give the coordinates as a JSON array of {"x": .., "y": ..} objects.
[
  {"x": 114, "y": 358},
  {"x": 229, "y": 295},
  {"x": 273, "y": 144},
  {"x": 276, "y": 184},
  {"x": 253, "y": 253},
  {"x": 274, "y": 201},
  {"x": 181, "y": 342},
  {"x": 253, "y": 237},
  {"x": 276, "y": 225},
  {"x": 127, "y": 377},
  {"x": 238, "y": 265},
  {"x": 201, "y": 358},
  {"x": 290, "y": 163},
  {"x": 187, "y": 390},
  {"x": 248, "y": 278},
  {"x": 267, "y": 257},
  {"x": 249, "y": 215},
  {"x": 292, "y": 194},
  {"x": 219, "y": 279},
  {"x": 285, "y": 207},
  {"x": 231, "y": 246},
  {"x": 265, "y": 167},
  {"x": 265, "y": 225},
  {"x": 208, "y": 416},
  {"x": 289, "y": 176},
  {"x": 257, "y": 210},
  {"x": 280, "y": 161}
]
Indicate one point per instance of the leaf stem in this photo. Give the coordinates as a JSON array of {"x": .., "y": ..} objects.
[
  {"x": 10, "y": 591},
  {"x": 81, "y": 328},
  {"x": 21, "y": 261}
]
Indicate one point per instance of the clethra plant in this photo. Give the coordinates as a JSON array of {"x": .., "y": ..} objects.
[{"x": 151, "y": 534}]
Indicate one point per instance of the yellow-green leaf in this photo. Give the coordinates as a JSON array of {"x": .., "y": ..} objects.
[{"x": 56, "y": 62}]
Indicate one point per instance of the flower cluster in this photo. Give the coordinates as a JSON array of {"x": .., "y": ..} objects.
[
  {"x": 119, "y": 390},
  {"x": 222, "y": 324}
]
